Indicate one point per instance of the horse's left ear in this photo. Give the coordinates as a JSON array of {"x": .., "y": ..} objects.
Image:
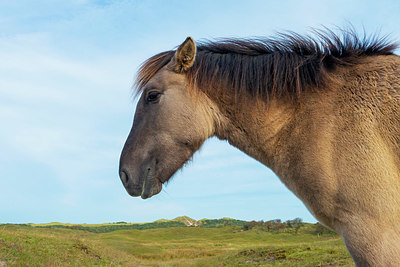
[{"x": 185, "y": 55}]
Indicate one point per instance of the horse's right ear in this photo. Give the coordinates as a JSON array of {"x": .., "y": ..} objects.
[{"x": 184, "y": 55}]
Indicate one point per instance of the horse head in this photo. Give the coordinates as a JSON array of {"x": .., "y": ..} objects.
[{"x": 171, "y": 122}]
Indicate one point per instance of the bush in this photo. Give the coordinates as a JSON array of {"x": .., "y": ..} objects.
[
  {"x": 275, "y": 225},
  {"x": 321, "y": 230}
]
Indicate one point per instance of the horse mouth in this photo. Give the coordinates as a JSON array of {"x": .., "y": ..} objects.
[
  {"x": 151, "y": 185},
  {"x": 145, "y": 187}
]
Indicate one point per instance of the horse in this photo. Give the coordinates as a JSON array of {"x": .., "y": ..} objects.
[{"x": 320, "y": 110}]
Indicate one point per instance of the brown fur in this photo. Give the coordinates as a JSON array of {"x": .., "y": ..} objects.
[{"x": 328, "y": 125}]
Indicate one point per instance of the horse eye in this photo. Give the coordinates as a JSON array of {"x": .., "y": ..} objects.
[{"x": 153, "y": 96}]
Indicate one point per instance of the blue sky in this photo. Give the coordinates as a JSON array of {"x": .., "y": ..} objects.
[{"x": 66, "y": 71}]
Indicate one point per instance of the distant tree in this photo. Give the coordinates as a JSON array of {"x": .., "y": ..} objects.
[
  {"x": 297, "y": 223},
  {"x": 250, "y": 225},
  {"x": 269, "y": 225},
  {"x": 279, "y": 226},
  {"x": 275, "y": 225}
]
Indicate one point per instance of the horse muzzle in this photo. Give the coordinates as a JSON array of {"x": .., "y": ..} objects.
[{"x": 144, "y": 185}]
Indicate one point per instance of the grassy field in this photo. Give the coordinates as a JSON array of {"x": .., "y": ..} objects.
[{"x": 175, "y": 246}]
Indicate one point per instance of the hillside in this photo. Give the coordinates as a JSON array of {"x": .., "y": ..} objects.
[
  {"x": 173, "y": 246},
  {"x": 182, "y": 221}
]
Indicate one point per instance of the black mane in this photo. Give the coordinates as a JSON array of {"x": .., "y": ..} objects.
[{"x": 286, "y": 64}]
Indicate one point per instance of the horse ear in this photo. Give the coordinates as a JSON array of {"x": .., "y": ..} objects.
[{"x": 185, "y": 55}]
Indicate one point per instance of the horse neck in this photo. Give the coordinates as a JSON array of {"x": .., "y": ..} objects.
[
  {"x": 254, "y": 127},
  {"x": 279, "y": 132}
]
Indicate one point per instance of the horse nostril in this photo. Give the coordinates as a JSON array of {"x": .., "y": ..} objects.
[{"x": 124, "y": 177}]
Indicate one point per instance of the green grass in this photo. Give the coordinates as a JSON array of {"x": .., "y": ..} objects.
[
  {"x": 175, "y": 246},
  {"x": 162, "y": 223}
]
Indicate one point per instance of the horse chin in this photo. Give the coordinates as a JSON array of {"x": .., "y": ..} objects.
[
  {"x": 151, "y": 186},
  {"x": 152, "y": 179},
  {"x": 154, "y": 190},
  {"x": 147, "y": 187}
]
